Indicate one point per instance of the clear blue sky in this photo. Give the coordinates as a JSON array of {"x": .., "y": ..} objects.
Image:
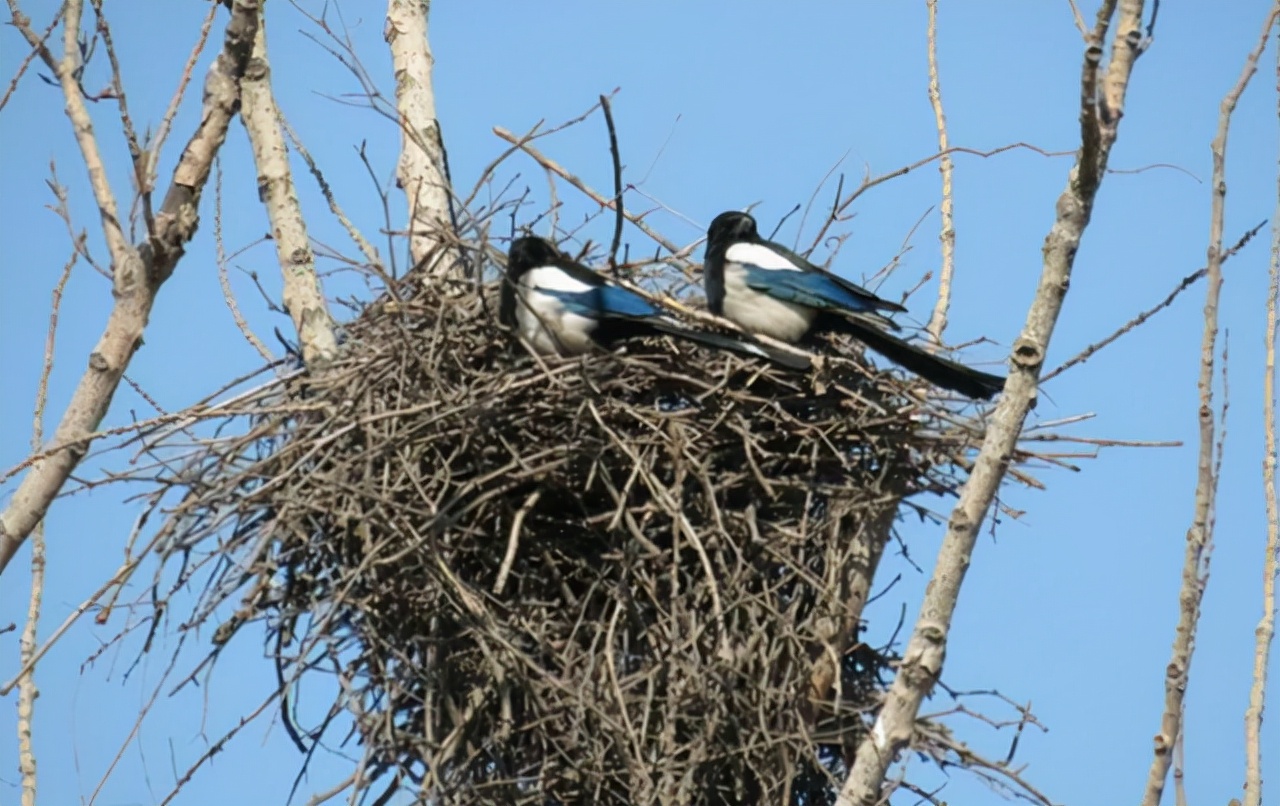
[{"x": 1071, "y": 607}]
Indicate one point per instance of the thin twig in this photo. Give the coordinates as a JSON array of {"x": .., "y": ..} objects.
[
  {"x": 1078, "y": 18},
  {"x": 619, "y": 216},
  {"x": 546, "y": 162},
  {"x": 1187, "y": 282},
  {"x": 175, "y": 100},
  {"x": 119, "y": 578},
  {"x": 357, "y": 237},
  {"x": 137, "y": 157},
  {"x": 220, "y": 259}
]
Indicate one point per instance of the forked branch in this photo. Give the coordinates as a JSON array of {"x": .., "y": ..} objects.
[{"x": 137, "y": 273}]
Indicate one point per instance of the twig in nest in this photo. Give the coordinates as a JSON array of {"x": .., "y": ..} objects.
[{"x": 513, "y": 539}]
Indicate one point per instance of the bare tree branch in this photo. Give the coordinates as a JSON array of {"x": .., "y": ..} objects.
[
  {"x": 421, "y": 171},
  {"x": 1266, "y": 630},
  {"x": 938, "y": 320},
  {"x": 303, "y": 296},
  {"x": 137, "y": 273},
  {"x": 30, "y": 57},
  {"x": 1101, "y": 110},
  {"x": 1079, "y": 20},
  {"x": 1200, "y": 534}
]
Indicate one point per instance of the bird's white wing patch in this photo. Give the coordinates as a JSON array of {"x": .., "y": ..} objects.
[
  {"x": 753, "y": 254},
  {"x": 553, "y": 279}
]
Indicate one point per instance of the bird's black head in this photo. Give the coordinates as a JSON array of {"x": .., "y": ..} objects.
[
  {"x": 529, "y": 253},
  {"x": 731, "y": 226}
]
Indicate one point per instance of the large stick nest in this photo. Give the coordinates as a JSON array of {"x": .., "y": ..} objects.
[{"x": 620, "y": 578}]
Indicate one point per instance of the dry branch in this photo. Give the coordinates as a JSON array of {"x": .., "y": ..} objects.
[
  {"x": 562, "y": 172},
  {"x": 303, "y": 296},
  {"x": 1101, "y": 109},
  {"x": 1199, "y": 538},
  {"x": 137, "y": 273}
]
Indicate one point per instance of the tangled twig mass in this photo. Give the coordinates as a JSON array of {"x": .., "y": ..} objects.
[{"x": 627, "y": 577}]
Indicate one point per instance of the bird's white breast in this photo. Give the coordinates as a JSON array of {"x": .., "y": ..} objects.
[
  {"x": 756, "y": 312},
  {"x": 542, "y": 319}
]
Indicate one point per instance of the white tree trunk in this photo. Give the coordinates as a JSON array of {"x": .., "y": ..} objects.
[{"x": 421, "y": 171}]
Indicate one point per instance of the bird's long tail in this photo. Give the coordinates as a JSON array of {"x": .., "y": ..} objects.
[
  {"x": 740, "y": 346},
  {"x": 934, "y": 369}
]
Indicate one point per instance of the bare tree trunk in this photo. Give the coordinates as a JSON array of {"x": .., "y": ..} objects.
[
  {"x": 1102, "y": 106},
  {"x": 303, "y": 296},
  {"x": 1200, "y": 534},
  {"x": 137, "y": 273},
  {"x": 1266, "y": 629},
  {"x": 421, "y": 172}
]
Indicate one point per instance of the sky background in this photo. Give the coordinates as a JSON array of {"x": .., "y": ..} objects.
[{"x": 1071, "y": 606}]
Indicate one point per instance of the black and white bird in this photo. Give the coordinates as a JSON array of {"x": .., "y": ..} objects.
[
  {"x": 562, "y": 307},
  {"x": 763, "y": 287}
]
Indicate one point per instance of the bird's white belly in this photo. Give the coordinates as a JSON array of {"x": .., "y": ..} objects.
[
  {"x": 549, "y": 328},
  {"x": 761, "y": 313}
]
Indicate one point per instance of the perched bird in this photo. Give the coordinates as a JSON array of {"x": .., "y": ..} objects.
[
  {"x": 562, "y": 307},
  {"x": 766, "y": 288}
]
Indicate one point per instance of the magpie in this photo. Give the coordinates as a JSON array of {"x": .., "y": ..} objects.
[
  {"x": 562, "y": 307},
  {"x": 764, "y": 287}
]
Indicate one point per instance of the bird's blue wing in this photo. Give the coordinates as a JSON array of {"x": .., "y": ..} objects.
[
  {"x": 810, "y": 289},
  {"x": 606, "y": 300},
  {"x": 619, "y": 301}
]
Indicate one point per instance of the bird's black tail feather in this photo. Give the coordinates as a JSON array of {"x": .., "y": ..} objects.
[
  {"x": 741, "y": 346},
  {"x": 934, "y": 369}
]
